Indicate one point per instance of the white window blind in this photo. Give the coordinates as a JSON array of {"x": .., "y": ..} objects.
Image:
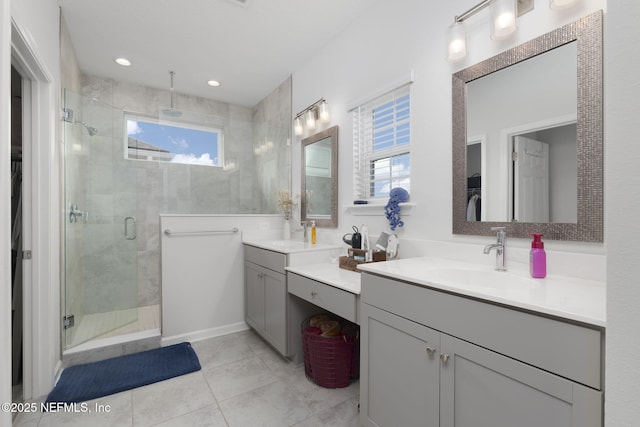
[{"x": 381, "y": 135}]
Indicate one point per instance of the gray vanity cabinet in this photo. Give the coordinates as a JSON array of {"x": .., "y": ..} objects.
[
  {"x": 430, "y": 358},
  {"x": 266, "y": 295},
  {"x": 399, "y": 378},
  {"x": 479, "y": 388}
]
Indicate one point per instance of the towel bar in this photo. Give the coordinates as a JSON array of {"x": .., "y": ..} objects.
[{"x": 168, "y": 232}]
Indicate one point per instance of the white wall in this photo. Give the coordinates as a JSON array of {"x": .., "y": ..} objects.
[
  {"x": 352, "y": 67},
  {"x": 622, "y": 89},
  {"x": 203, "y": 274}
]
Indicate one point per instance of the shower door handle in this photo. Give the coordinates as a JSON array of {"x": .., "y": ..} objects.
[{"x": 130, "y": 228}]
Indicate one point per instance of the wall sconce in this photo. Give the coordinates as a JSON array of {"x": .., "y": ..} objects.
[
  {"x": 319, "y": 111},
  {"x": 503, "y": 16}
]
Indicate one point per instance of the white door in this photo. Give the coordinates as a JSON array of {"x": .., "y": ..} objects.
[{"x": 531, "y": 180}]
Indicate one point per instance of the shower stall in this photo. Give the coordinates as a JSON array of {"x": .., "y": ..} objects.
[
  {"x": 114, "y": 195},
  {"x": 100, "y": 292}
]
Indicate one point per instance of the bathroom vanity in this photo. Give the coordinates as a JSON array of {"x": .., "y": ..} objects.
[
  {"x": 266, "y": 294},
  {"x": 445, "y": 344},
  {"x": 317, "y": 288}
]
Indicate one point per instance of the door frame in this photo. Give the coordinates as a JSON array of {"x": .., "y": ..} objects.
[
  {"x": 5, "y": 212},
  {"x": 506, "y": 165},
  {"x": 41, "y": 201}
]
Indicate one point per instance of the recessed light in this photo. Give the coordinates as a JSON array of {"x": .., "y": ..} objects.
[
  {"x": 123, "y": 61},
  {"x": 213, "y": 83}
]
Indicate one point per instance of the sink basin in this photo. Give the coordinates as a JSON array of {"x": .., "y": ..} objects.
[
  {"x": 484, "y": 282},
  {"x": 477, "y": 277}
]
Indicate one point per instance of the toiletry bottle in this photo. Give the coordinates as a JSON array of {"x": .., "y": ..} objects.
[
  {"x": 538, "y": 257},
  {"x": 366, "y": 245},
  {"x": 313, "y": 232}
]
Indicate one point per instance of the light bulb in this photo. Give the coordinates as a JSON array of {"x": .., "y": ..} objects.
[
  {"x": 503, "y": 18},
  {"x": 561, "y": 4},
  {"x": 310, "y": 119},
  {"x": 456, "y": 41},
  {"x": 297, "y": 126},
  {"x": 123, "y": 61},
  {"x": 323, "y": 112}
]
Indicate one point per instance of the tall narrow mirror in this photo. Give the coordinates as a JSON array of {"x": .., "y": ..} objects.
[{"x": 319, "y": 196}]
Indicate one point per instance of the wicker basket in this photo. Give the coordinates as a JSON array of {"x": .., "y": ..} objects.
[{"x": 331, "y": 362}]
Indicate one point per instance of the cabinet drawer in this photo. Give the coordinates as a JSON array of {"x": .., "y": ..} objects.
[
  {"x": 569, "y": 350},
  {"x": 332, "y": 299},
  {"x": 272, "y": 260}
]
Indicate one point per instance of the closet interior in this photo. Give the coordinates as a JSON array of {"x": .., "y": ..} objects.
[{"x": 16, "y": 235}]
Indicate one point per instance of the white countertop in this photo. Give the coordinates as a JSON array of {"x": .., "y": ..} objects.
[
  {"x": 330, "y": 274},
  {"x": 566, "y": 297},
  {"x": 289, "y": 246}
]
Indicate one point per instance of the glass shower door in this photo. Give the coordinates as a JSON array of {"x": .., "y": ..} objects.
[{"x": 100, "y": 204}]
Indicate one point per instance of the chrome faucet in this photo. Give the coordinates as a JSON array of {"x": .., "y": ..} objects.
[
  {"x": 500, "y": 247},
  {"x": 305, "y": 226}
]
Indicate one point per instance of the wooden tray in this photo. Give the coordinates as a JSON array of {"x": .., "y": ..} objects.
[{"x": 348, "y": 263}]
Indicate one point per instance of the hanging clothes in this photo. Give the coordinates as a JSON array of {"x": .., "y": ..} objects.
[
  {"x": 16, "y": 270},
  {"x": 471, "y": 208}
]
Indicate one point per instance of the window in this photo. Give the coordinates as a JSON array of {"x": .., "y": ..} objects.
[
  {"x": 149, "y": 139},
  {"x": 381, "y": 129}
]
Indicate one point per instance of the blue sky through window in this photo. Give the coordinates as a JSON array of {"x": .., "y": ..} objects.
[
  {"x": 188, "y": 145},
  {"x": 391, "y": 131}
]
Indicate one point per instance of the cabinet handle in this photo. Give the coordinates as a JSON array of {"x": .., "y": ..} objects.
[
  {"x": 314, "y": 294},
  {"x": 444, "y": 357},
  {"x": 431, "y": 351}
]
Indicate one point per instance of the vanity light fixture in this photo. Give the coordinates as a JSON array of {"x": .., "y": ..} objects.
[
  {"x": 213, "y": 83},
  {"x": 318, "y": 111},
  {"x": 503, "y": 15},
  {"x": 562, "y": 4}
]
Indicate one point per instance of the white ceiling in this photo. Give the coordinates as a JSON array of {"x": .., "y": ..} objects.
[{"x": 249, "y": 48}]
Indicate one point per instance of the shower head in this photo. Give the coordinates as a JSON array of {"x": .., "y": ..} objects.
[
  {"x": 172, "y": 112},
  {"x": 91, "y": 130}
]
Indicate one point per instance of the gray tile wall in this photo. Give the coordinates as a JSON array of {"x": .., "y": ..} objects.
[{"x": 256, "y": 142}]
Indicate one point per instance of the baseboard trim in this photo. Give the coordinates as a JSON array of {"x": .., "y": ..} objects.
[{"x": 204, "y": 334}]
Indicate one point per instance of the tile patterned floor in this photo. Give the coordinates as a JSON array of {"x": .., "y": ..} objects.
[{"x": 243, "y": 383}]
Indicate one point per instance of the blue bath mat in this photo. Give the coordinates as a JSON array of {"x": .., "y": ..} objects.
[{"x": 86, "y": 382}]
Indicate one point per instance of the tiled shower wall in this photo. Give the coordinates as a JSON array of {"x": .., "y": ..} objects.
[{"x": 256, "y": 152}]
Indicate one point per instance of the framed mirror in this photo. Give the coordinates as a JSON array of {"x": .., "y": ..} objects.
[
  {"x": 319, "y": 195},
  {"x": 528, "y": 138}
]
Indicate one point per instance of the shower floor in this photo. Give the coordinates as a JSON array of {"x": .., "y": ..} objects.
[{"x": 148, "y": 318}]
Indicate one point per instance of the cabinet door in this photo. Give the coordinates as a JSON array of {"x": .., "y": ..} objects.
[
  {"x": 254, "y": 287},
  {"x": 481, "y": 388},
  {"x": 399, "y": 378},
  {"x": 275, "y": 310}
]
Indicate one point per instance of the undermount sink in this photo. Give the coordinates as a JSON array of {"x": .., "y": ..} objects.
[{"x": 483, "y": 280}]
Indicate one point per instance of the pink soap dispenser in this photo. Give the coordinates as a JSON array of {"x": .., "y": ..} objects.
[{"x": 538, "y": 258}]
